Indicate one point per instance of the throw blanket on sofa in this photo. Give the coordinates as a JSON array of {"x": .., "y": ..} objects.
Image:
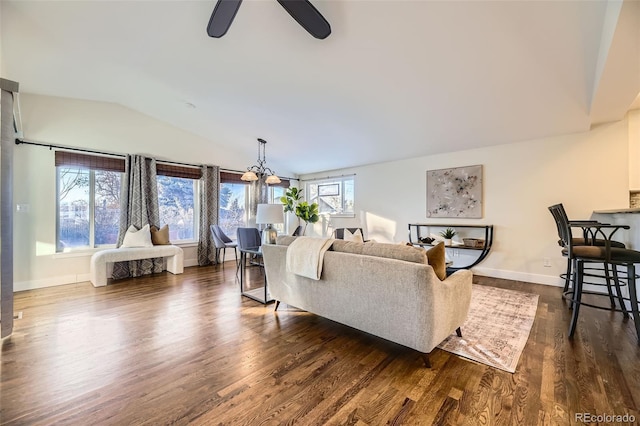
[{"x": 305, "y": 256}]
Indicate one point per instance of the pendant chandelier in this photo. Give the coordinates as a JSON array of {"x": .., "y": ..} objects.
[{"x": 257, "y": 171}]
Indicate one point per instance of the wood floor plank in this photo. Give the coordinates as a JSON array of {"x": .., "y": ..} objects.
[{"x": 188, "y": 349}]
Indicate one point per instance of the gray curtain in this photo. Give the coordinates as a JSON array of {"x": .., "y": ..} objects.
[
  {"x": 138, "y": 207},
  {"x": 209, "y": 204}
]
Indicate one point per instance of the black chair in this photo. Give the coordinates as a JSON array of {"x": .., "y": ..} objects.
[
  {"x": 222, "y": 242},
  {"x": 339, "y": 232},
  {"x": 561, "y": 220},
  {"x": 298, "y": 231},
  {"x": 606, "y": 254}
]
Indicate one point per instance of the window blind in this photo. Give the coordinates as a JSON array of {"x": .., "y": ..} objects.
[{"x": 87, "y": 161}]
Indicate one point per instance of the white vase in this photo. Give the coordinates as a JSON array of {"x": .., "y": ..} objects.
[{"x": 448, "y": 242}]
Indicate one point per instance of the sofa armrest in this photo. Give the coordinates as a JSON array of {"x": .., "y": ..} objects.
[{"x": 450, "y": 299}]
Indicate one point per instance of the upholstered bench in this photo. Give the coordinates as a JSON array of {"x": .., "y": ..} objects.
[{"x": 99, "y": 260}]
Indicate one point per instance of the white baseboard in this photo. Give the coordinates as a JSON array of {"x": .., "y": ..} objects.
[
  {"x": 190, "y": 262},
  {"x": 67, "y": 279},
  {"x": 50, "y": 282},
  {"x": 552, "y": 280}
]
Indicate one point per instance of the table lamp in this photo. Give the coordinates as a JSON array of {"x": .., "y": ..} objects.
[{"x": 269, "y": 214}]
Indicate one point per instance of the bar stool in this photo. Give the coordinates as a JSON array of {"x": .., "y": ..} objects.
[
  {"x": 560, "y": 216},
  {"x": 606, "y": 254}
]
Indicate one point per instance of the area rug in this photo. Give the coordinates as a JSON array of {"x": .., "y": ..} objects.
[{"x": 497, "y": 327}]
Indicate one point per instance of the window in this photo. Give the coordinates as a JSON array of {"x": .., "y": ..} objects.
[
  {"x": 88, "y": 207},
  {"x": 234, "y": 202},
  {"x": 178, "y": 202},
  {"x": 88, "y": 190},
  {"x": 234, "y": 198},
  {"x": 333, "y": 195},
  {"x": 275, "y": 192}
]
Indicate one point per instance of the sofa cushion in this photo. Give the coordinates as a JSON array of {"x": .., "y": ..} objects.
[
  {"x": 160, "y": 237},
  {"x": 436, "y": 258},
  {"x": 395, "y": 251},
  {"x": 343, "y": 246},
  {"x": 285, "y": 240}
]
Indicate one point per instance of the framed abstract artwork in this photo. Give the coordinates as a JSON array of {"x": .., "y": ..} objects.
[{"x": 455, "y": 192}]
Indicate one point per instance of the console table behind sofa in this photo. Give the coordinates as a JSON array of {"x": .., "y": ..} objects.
[{"x": 99, "y": 260}]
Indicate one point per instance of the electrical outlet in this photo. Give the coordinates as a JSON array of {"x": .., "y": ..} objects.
[
  {"x": 546, "y": 262},
  {"x": 456, "y": 253}
]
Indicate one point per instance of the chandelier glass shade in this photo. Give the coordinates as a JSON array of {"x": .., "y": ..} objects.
[{"x": 260, "y": 169}]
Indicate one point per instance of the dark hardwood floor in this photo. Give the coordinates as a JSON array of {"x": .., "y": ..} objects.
[{"x": 189, "y": 349}]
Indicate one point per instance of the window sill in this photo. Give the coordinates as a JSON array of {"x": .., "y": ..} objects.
[
  {"x": 89, "y": 252},
  {"x": 77, "y": 253}
]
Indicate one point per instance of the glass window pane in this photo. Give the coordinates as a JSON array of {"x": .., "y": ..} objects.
[
  {"x": 334, "y": 196},
  {"x": 107, "y": 207},
  {"x": 233, "y": 208},
  {"x": 276, "y": 193},
  {"x": 73, "y": 208},
  {"x": 176, "y": 198}
]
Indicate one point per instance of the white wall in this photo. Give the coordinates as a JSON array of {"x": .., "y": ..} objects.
[
  {"x": 93, "y": 125},
  {"x": 634, "y": 149},
  {"x": 586, "y": 172}
]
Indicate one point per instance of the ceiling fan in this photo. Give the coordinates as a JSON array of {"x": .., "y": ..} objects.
[{"x": 301, "y": 10}]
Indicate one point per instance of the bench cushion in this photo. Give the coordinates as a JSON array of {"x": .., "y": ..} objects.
[{"x": 99, "y": 260}]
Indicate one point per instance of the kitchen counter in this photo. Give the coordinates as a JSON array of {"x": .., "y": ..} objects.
[
  {"x": 615, "y": 211},
  {"x": 631, "y": 217}
]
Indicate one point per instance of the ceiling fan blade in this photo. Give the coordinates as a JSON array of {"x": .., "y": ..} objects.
[
  {"x": 307, "y": 16},
  {"x": 222, "y": 17}
]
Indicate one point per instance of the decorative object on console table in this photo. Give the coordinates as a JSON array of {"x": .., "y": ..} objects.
[
  {"x": 269, "y": 214},
  {"x": 455, "y": 192},
  {"x": 448, "y": 235}
]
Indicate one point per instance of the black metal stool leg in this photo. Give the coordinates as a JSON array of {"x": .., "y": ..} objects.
[
  {"x": 574, "y": 279},
  {"x": 577, "y": 296},
  {"x": 567, "y": 278},
  {"x": 633, "y": 296},
  {"x": 607, "y": 277},
  {"x": 616, "y": 281}
]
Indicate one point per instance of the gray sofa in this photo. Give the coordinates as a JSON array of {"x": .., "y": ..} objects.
[{"x": 399, "y": 300}]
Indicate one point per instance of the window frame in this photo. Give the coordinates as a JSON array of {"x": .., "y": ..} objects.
[
  {"x": 91, "y": 207},
  {"x": 329, "y": 180},
  {"x": 196, "y": 208}
]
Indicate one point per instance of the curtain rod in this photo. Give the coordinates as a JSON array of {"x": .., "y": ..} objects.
[
  {"x": 114, "y": 154},
  {"x": 327, "y": 177}
]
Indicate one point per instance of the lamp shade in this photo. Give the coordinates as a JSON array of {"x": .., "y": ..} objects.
[
  {"x": 272, "y": 180},
  {"x": 270, "y": 213},
  {"x": 249, "y": 176}
]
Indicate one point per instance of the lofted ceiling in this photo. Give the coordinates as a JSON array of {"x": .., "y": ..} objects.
[{"x": 395, "y": 79}]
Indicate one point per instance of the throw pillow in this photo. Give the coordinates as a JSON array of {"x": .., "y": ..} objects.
[
  {"x": 436, "y": 258},
  {"x": 355, "y": 237},
  {"x": 160, "y": 237},
  {"x": 135, "y": 238}
]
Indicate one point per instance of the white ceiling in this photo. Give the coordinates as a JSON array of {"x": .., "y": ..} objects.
[{"x": 395, "y": 79}]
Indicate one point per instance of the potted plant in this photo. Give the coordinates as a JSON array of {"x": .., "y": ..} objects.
[
  {"x": 303, "y": 210},
  {"x": 448, "y": 235}
]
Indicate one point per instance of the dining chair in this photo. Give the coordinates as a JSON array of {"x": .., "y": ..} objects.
[
  {"x": 222, "y": 242},
  {"x": 248, "y": 238}
]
